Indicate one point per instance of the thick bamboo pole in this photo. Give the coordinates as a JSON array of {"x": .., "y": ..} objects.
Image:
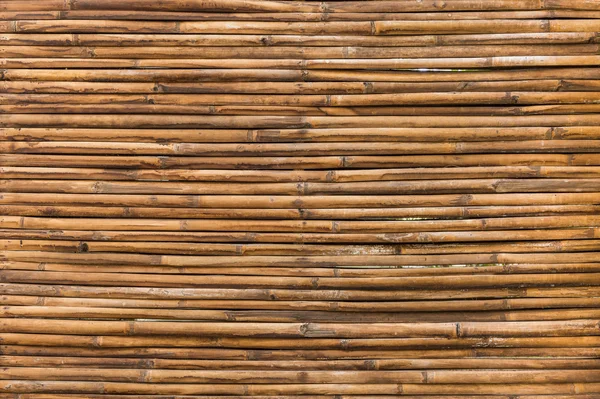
[
  {"x": 319, "y": 226},
  {"x": 278, "y": 75}
]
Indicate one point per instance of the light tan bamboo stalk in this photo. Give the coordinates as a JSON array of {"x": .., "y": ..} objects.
[
  {"x": 365, "y": 161},
  {"x": 245, "y": 5},
  {"x": 335, "y": 66},
  {"x": 108, "y": 26},
  {"x": 321, "y": 226},
  {"x": 300, "y": 149},
  {"x": 168, "y": 40},
  {"x": 278, "y": 163},
  {"x": 373, "y": 364},
  {"x": 291, "y": 294},
  {"x": 28, "y": 15},
  {"x": 492, "y": 269},
  {"x": 298, "y": 52},
  {"x": 295, "y": 316},
  {"x": 308, "y": 377},
  {"x": 216, "y": 175},
  {"x": 312, "y": 261},
  {"x": 299, "y": 354},
  {"x": 271, "y": 6},
  {"x": 558, "y": 109},
  {"x": 433, "y": 76},
  {"x": 290, "y": 330},
  {"x": 332, "y": 306},
  {"x": 457, "y": 27},
  {"x": 294, "y": 16},
  {"x": 269, "y": 249},
  {"x": 208, "y": 281},
  {"x": 286, "y": 163},
  {"x": 337, "y": 214},
  {"x": 298, "y": 389},
  {"x": 512, "y": 268},
  {"x": 436, "y": 98},
  {"x": 304, "y": 202},
  {"x": 272, "y": 75},
  {"x": 305, "y": 189},
  {"x": 306, "y": 88},
  {"x": 216, "y": 121}
]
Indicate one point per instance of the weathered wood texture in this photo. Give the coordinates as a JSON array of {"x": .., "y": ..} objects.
[{"x": 300, "y": 199}]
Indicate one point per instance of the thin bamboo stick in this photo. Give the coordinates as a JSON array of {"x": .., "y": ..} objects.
[
  {"x": 304, "y": 202},
  {"x": 167, "y": 40},
  {"x": 306, "y": 88},
  {"x": 373, "y": 364},
  {"x": 290, "y": 294},
  {"x": 294, "y": 75}
]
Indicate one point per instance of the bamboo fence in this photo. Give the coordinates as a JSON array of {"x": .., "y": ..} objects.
[{"x": 300, "y": 199}]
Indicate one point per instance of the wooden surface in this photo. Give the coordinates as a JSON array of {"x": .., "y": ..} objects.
[{"x": 318, "y": 200}]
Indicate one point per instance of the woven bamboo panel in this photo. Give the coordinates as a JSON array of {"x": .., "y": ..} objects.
[{"x": 300, "y": 199}]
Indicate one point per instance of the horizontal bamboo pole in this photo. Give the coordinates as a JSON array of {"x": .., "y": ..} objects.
[
  {"x": 227, "y": 281},
  {"x": 278, "y": 163},
  {"x": 326, "y": 176},
  {"x": 168, "y": 40},
  {"x": 299, "y": 354},
  {"x": 341, "y": 176},
  {"x": 298, "y": 389},
  {"x": 96, "y": 396},
  {"x": 306, "y": 189},
  {"x": 328, "y": 69},
  {"x": 273, "y": 6},
  {"x": 108, "y": 396},
  {"x": 485, "y": 269},
  {"x": 454, "y": 160},
  {"x": 299, "y": 149},
  {"x": 331, "y": 306},
  {"x": 250, "y": 110},
  {"x": 312, "y": 261},
  {"x": 295, "y": 249},
  {"x": 26, "y": 12},
  {"x": 372, "y": 364},
  {"x": 558, "y": 109},
  {"x": 279, "y": 214},
  {"x": 298, "y": 162},
  {"x": 290, "y": 330},
  {"x": 341, "y": 100},
  {"x": 319, "y": 226},
  {"x": 216, "y": 121},
  {"x": 466, "y": 329},
  {"x": 305, "y": 88},
  {"x": 59, "y": 290},
  {"x": 277, "y": 75},
  {"x": 512, "y": 268},
  {"x": 455, "y": 27},
  {"x": 310, "y": 28},
  {"x": 303, "y": 202},
  {"x": 307, "y": 377},
  {"x": 91, "y": 313},
  {"x": 480, "y": 280},
  {"x": 303, "y": 52}
]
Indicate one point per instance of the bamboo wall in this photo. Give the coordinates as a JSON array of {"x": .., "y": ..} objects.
[{"x": 269, "y": 199}]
